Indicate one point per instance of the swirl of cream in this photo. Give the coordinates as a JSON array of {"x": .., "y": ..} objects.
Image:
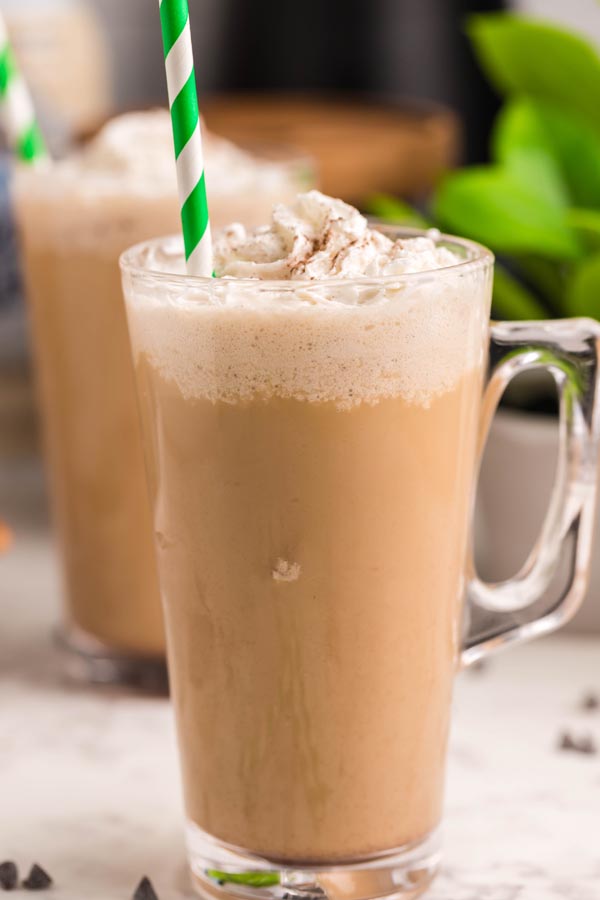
[
  {"x": 321, "y": 237},
  {"x": 138, "y": 147},
  {"x": 136, "y": 144}
]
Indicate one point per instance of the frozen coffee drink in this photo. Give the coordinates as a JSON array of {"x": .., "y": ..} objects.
[
  {"x": 310, "y": 418},
  {"x": 75, "y": 218}
]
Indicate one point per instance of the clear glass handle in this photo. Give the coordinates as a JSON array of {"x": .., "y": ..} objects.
[{"x": 550, "y": 587}]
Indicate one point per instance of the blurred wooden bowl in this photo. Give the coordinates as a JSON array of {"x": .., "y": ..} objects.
[{"x": 361, "y": 146}]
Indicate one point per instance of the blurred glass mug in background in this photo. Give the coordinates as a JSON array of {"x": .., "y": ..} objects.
[
  {"x": 313, "y": 454},
  {"x": 74, "y": 219}
]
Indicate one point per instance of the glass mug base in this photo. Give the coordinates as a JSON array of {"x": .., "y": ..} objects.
[
  {"x": 86, "y": 660},
  {"x": 220, "y": 871}
]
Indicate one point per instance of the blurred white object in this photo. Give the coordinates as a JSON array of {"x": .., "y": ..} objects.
[
  {"x": 64, "y": 57},
  {"x": 514, "y": 491},
  {"x": 583, "y": 15}
]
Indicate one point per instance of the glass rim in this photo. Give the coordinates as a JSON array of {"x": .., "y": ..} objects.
[{"x": 477, "y": 257}]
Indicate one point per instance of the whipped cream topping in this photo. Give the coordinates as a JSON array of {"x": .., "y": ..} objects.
[
  {"x": 136, "y": 145},
  {"x": 321, "y": 237},
  {"x": 138, "y": 148}
]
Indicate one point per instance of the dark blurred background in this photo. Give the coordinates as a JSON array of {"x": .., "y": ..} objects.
[
  {"x": 399, "y": 48},
  {"x": 395, "y": 48}
]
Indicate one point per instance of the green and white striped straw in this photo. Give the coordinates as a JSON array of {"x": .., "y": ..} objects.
[
  {"x": 185, "y": 118},
  {"x": 16, "y": 107}
]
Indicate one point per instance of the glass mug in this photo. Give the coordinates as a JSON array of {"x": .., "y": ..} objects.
[{"x": 312, "y": 452}]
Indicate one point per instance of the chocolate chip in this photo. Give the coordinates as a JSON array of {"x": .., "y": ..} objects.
[
  {"x": 584, "y": 744},
  {"x": 590, "y": 701},
  {"x": 37, "y": 880},
  {"x": 565, "y": 742},
  {"x": 145, "y": 891},
  {"x": 9, "y": 876}
]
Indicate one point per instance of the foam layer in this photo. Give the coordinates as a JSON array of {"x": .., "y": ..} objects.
[{"x": 335, "y": 341}]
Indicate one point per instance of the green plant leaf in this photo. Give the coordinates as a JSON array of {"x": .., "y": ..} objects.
[
  {"x": 525, "y": 56},
  {"x": 498, "y": 208},
  {"x": 519, "y": 144},
  {"x": 583, "y": 293},
  {"x": 566, "y": 148},
  {"x": 586, "y": 222},
  {"x": 548, "y": 277},
  {"x": 394, "y": 210},
  {"x": 536, "y": 167},
  {"x": 252, "y": 879},
  {"x": 512, "y": 300}
]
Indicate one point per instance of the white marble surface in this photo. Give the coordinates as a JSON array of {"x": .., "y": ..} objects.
[{"x": 89, "y": 785}]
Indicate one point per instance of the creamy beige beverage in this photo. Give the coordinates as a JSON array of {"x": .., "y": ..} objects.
[
  {"x": 311, "y": 441},
  {"x": 75, "y": 220}
]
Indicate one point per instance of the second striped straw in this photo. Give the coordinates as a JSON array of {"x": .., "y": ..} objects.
[
  {"x": 16, "y": 107},
  {"x": 185, "y": 117}
]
